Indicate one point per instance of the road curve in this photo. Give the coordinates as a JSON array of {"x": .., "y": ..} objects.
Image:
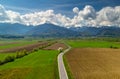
[{"x": 61, "y": 67}]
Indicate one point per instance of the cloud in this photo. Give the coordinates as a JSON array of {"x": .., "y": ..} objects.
[
  {"x": 76, "y": 10},
  {"x": 3, "y": 14},
  {"x": 88, "y": 16},
  {"x": 109, "y": 16}
]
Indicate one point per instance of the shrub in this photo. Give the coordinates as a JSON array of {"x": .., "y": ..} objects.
[
  {"x": 19, "y": 55},
  {"x": 113, "y": 47},
  {"x": 35, "y": 49},
  {"x": 9, "y": 59},
  {"x": 1, "y": 62}
]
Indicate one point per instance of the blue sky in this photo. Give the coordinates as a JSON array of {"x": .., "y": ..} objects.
[
  {"x": 67, "y": 13},
  {"x": 60, "y": 6}
]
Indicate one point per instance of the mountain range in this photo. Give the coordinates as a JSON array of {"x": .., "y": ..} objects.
[{"x": 50, "y": 30}]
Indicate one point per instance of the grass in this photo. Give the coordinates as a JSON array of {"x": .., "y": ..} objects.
[
  {"x": 3, "y": 55},
  {"x": 92, "y": 43},
  {"x": 23, "y": 43},
  {"x": 37, "y": 65}
]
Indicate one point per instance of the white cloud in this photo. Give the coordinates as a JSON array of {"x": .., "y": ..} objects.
[
  {"x": 3, "y": 14},
  {"x": 108, "y": 16},
  {"x": 76, "y": 10}
]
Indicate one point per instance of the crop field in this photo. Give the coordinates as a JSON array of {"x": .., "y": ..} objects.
[
  {"x": 56, "y": 46},
  {"x": 33, "y": 66},
  {"x": 94, "y": 63},
  {"x": 93, "y": 44},
  {"x": 27, "y": 47},
  {"x": 15, "y": 44}
]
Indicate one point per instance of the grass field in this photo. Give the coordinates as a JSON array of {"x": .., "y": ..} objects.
[
  {"x": 3, "y": 55},
  {"x": 38, "y": 65},
  {"x": 94, "y": 63},
  {"x": 92, "y": 43},
  {"x": 20, "y": 43}
]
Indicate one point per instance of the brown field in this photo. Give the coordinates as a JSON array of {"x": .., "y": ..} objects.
[
  {"x": 3, "y": 44},
  {"x": 94, "y": 63},
  {"x": 56, "y": 46},
  {"x": 27, "y": 47}
]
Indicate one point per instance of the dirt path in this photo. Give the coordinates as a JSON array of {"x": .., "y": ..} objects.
[{"x": 61, "y": 67}]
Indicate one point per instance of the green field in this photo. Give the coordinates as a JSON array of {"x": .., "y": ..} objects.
[
  {"x": 20, "y": 43},
  {"x": 38, "y": 65},
  {"x": 3, "y": 55},
  {"x": 92, "y": 43}
]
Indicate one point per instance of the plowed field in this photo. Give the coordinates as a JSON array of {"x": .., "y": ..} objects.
[
  {"x": 56, "y": 46},
  {"x": 27, "y": 47},
  {"x": 94, "y": 63}
]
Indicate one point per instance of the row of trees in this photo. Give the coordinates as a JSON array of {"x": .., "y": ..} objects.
[{"x": 12, "y": 58}]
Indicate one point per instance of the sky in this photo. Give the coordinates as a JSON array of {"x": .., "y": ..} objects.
[{"x": 66, "y": 13}]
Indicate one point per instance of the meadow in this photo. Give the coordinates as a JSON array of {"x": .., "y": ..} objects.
[
  {"x": 15, "y": 44},
  {"x": 38, "y": 65},
  {"x": 92, "y": 44}
]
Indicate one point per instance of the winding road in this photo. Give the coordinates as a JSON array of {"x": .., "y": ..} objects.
[{"x": 61, "y": 67}]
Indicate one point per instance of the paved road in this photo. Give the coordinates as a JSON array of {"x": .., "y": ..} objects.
[{"x": 61, "y": 67}]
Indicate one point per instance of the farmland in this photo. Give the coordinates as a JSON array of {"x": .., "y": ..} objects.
[
  {"x": 91, "y": 63},
  {"x": 40, "y": 62},
  {"x": 56, "y": 46},
  {"x": 92, "y": 44},
  {"x": 15, "y": 44},
  {"x": 33, "y": 66},
  {"x": 93, "y": 59}
]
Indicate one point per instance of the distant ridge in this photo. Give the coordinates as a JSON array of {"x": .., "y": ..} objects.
[
  {"x": 13, "y": 29},
  {"x": 104, "y": 31},
  {"x": 50, "y": 30}
]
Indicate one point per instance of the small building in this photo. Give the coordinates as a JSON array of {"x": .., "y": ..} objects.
[{"x": 60, "y": 49}]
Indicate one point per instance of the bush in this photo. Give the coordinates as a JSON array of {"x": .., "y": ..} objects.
[
  {"x": 21, "y": 54},
  {"x": 35, "y": 49},
  {"x": 113, "y": 47},
  {"x": 9, "y": 59},
  {"x": 1, "y": 62}
]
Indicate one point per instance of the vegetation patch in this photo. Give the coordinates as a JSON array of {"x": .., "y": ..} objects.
[
  {"x": 16, "y": 73},
  {"x": 42, "y": 65},
  {"x": 93, "y": 44}
]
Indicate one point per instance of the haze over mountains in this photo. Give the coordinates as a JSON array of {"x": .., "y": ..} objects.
[{"x": 50, "y": 30}]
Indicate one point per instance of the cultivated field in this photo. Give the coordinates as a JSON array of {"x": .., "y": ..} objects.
[
  {"x": 93, "y": 44},
  {"x": 56, "y": 46},
  {"x": 28, "y": 47},
  {"x": 94, "y": 63},
  {"x": 38, "y": 64}
]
